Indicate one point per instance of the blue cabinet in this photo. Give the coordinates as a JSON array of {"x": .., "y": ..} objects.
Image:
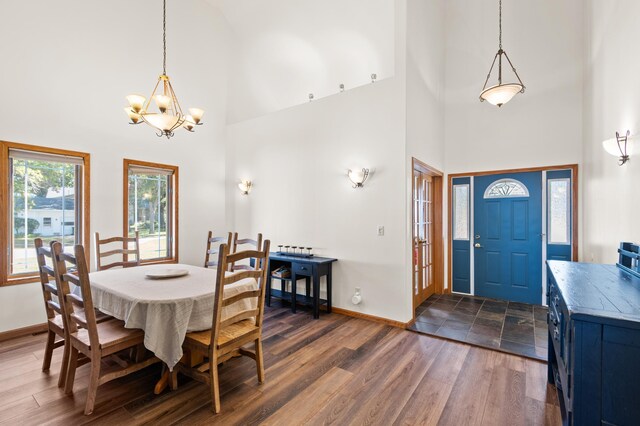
[{"x": 594, "y": 342}]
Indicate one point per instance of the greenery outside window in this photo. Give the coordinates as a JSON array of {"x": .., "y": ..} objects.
[
  {"x": 151, "y": 206},
  {"x": 46, "y": 196}
]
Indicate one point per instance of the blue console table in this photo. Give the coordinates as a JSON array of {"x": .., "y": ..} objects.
[
  {"x": 594, "y": 342},
  {"x": 310, "y": 268}
]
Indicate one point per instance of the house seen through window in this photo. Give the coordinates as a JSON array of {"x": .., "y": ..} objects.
[{"x": 45, "y": 201}]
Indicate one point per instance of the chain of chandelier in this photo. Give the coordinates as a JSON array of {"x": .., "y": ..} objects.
[
  {"x": 167, "y": 115},
  {"x": 501, "y": 93}
]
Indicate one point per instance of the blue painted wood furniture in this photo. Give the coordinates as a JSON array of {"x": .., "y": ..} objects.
[
  {"x": 312, "y": 269},
  {"x": 594, "y": 342}
]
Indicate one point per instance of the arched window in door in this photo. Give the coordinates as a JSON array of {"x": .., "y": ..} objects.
[{"x": 506, "y": 188}]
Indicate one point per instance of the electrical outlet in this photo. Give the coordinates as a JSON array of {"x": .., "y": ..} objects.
[{"x": 380, "y": 231}]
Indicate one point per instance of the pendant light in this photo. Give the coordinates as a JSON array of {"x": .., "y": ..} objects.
[
  {"x": 501, "y": 93},
  {"x": 169, "y": 115}
]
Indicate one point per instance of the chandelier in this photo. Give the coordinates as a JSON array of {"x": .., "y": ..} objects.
[
  {"x": 501, "y": 93},
  {"x": 169, "y": 115}
]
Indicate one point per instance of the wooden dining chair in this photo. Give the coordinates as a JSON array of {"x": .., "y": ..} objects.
[
  {"x": 237, "y": 242},
  {"x": 55, "y": 315},
  {"x": 213, "y": 247},
  {"x": 88, "y": 337},
  {"x": 227, "y": 336},
  {"x": 124, "y": 251}
]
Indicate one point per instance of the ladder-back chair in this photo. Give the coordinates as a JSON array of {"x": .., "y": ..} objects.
[
  {"x": 213, "y": 247},
  {"x": 86, "y": 336},
  {"x": 237, "y": 242},
  {"x": 227, "y": 336},
  {"x": 55, "y": 315},
  {"x": 124, "y": 251}
]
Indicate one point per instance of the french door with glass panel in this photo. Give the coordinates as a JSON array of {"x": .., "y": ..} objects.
[{"x": 423, "y": 247}]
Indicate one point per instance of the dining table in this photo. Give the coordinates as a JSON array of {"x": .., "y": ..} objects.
[{"x": 165, "y": 309}]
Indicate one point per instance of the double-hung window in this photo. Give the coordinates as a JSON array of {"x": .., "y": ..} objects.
[
  {"x": 44, "y": 194},
  {"x": 151, "y": 209}
]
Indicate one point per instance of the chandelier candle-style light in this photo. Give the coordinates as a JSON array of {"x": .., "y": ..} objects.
[
  {"x": 169, "y": 115},
  {"x": 501, "y": 93}
]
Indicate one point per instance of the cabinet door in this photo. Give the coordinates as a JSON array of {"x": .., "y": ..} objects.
[{"x": 620, "y": 376}]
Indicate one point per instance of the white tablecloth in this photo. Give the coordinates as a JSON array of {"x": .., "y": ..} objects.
[{"x": 165, "y": 309}]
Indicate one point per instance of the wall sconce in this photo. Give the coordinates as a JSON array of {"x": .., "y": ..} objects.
[
  {"x": 358, "y": 177},
  {"x": 620, "y": 146},
  {"x": 245, "y": 186}
]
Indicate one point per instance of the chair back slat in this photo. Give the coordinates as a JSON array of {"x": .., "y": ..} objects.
[
  {"x": 47, "y": 274},
  {"x": 230, "y": 279},
  {"x": 118, "y": 251},
  {"x": 51, "y": 288},
  {"x": 124, "y": 251},
  {"x": 256, "y": 244},
  {"x": 81, "y": 278},
  {"x": 240, "y": 296},
  {"x": 224, "y": 263},
  {"x": 241, "y": 316},
  {"x": 55, "y": 306},
  {"x": 213, "y": 247}
]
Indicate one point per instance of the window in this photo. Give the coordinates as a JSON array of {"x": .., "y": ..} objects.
[
  {"x": 46, "y": 189},
  {"x": 461, "y": 212},
  {"x": 559, "y": 213},
  {"x": 506, "y": 188},
  {"x": 151, "y": 206}
]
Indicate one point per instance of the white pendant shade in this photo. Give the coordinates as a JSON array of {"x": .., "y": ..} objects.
[
  {"x": 196, "y": 114},
  {"x": 612, "y": 147},
  {"x": 163, "y": 122},
  {"x": 501, "y": 94},
  {"x": 136, "y": 102},
  {"x": 135, "y": 118}
]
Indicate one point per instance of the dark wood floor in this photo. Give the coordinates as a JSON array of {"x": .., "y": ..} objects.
[{"x": 335, "y": 370}]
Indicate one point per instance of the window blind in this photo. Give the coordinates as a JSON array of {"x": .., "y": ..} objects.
[
  {"x": 18, "y": 154},
  {"x": 141, "y": 170}
]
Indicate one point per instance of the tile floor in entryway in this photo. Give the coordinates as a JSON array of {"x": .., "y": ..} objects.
[{"x": 512, "y": 327}]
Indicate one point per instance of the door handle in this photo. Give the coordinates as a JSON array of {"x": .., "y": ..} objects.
[{"x": 477, "y": 245}]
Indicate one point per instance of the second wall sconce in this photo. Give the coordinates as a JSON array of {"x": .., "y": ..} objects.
[
  {"x": 620, "y": 146},
  {"x": 358, "y": 177},
  {"x": 245, "y": 186}
]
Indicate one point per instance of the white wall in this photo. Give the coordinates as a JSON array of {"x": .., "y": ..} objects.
[
  {"x": 68, "y": 66},
  {"x": 538, "y": 128},
  {"x": 298, "y": 159},
  {"x": 425, "y": 56},
  {"x": 285, "y": 49},
  {"x": 612, "y": 103}
]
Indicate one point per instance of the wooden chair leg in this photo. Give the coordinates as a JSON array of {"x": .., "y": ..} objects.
[
  {"x": 173, "y": 378},
  {"x": 94, "y": 381},
  {"x": 215, "y": 385},
  {"x": 65, "y": 365},
  {"x": 48, "y": 351},
  {"x": 259, "y": 363},
  {"x": 71, "y": 371}
]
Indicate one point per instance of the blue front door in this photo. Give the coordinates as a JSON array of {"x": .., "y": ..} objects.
[{"x": 508, "y": 236}]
